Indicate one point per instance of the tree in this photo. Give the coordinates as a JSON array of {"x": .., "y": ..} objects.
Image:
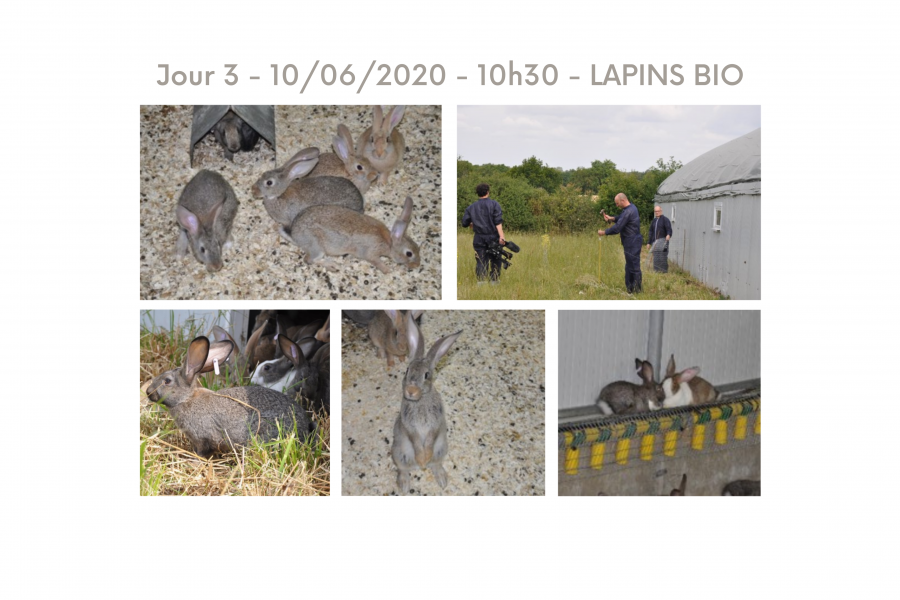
[
  {"x": 537, "y": 174},
  {"x": 589, "y": 180}
]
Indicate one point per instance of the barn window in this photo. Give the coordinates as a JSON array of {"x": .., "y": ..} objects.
[{"x": 717, "y": 217}]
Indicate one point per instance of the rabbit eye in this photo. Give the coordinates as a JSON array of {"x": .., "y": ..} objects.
[
  {"x": 202, "y": 250},
  {"x": 359, "y": 167},
  {"x": 269, "y": 183},
  {"x": 168, "y": 381},
  {"x": 426, "y": 374},
  {"x": 409, "y": 253},
  {"x": 267, "y": 367}
]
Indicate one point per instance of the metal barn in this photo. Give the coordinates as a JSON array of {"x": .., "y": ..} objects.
[
  {"x": 714, "y": 205},
  {"x": 647, "y": 453}
]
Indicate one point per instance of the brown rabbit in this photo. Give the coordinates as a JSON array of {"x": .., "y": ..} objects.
[
  {"x": 381, "y": 144},
  {"x": 345, "y": 163},
  {"x": 685, "y": 388},
  {"x": 388, "y": 330},
  {"x": 322, "y": 231}
]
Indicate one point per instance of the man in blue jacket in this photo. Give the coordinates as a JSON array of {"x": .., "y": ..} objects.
[
  {"x": 485, "y": 217},
  {"x": 660, "y": 228},
  {"x": 628, "y": 225}
]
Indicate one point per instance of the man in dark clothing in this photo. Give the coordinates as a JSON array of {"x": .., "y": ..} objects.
[
  {"x": 628, "y": 225},
  {"x": 660, "y": 228},
  {"x": 485, "y": 217}
]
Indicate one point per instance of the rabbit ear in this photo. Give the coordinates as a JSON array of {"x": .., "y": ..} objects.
[
  {"x": 291, "y": 350},
  {"x": 196, "y": 358},
  {"x": 637, "y": 365},
  {"x": 220, "y": 335},
  {"x": 253, "y": 342},
  {"x": 647, "y": 371},
  {"x": 188, "y": 220},
  {"x": 688, "y": 374},
  {"x": 440, "y": 348},
  {"x": 300, "y": 168},
  {"x": 399, "y": 228},
  {"x": 218, "y": 351},
  {"x": 414, "y": 337},
  {"x": 377, "y": 118},
  {"x": 306, "y": 345},
  {"x": 394, "y": 118},
  {"x": 341, "y": 148},
  {"x": 670, "y": 370},
  {"x": 302, "y": 156}
]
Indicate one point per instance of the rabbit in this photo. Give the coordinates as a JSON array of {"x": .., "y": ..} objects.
[
  {"x": 205, "y": 214},
  {"x": 286, "y": 192},
  {"x": 322, "y": 231},
  {"x": 345, "y": 163},
  {"x": 290, "y": 373},
  {"x": 742, "y": 487},
  {"x": 388, "y": 331},
  {"x": 214, "y": 421},
  {"x": 234, "y": 135},
  {"x": 680, "y": 490},
  {"x": 626, "y": 398},
  {"x": 697, "y": 390},
  {"x": 420, "y": 431},
  {"x": 381, "y": 144}
]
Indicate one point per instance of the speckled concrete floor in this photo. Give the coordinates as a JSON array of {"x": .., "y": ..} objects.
[
  {"x": 261, "y": 265},
  {"x": 493, "y": 399}
]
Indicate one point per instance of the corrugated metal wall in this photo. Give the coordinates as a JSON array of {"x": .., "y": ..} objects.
[
  {"x": 728, "y": 260},
  {"x": 598, "y": 347},
  {"x": 725, "y": 344}
]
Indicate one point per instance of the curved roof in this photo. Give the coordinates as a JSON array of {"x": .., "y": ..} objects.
[{"x": 731, "y": 169}]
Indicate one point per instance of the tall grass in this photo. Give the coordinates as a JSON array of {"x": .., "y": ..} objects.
[
  {"x": 287, "y": 465},
  {"x": 571, "y": 271}
]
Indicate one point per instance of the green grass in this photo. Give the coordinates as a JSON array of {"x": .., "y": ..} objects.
[
  {"x": 287, "y": 465},
  {"x": 571, "y": 272}
]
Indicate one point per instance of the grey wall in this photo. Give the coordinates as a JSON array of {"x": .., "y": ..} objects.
[
  {"x": 727, "y": 260},
  {"x": 598, "y": 347}
]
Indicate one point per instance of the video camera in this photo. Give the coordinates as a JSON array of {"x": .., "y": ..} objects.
[{"x": 500, "y": 253}]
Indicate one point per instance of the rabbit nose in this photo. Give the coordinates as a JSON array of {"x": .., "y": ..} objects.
[{"x": 413, "y": 392}]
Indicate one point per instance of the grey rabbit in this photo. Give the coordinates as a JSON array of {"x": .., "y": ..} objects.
[
  {"x": 626, "y": 398},
  {"x": 322, "y": 231},
  {"x": 287, "y": 192},
  {"x": 742, "y": 487},
  {"x": 291, "y": 373},
  {"x": 420, "y": 431},
  {"x": 214, "y": 421},
  {"x": 205, "y": 214},
  {"x": 235, "y": 135}
]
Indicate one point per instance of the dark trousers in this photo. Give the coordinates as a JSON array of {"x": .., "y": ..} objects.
[
  {"x": 483, "y": 264},
  {"x": 632, "y": 247}
]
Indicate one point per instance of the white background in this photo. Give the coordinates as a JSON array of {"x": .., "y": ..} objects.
[{"x": 73, "y": 77}]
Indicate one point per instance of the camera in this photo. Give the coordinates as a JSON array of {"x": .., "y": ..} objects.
[{"x": 501, "y": 253}]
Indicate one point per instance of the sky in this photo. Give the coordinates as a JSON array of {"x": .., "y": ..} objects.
[{"x": 633, "y": 137}]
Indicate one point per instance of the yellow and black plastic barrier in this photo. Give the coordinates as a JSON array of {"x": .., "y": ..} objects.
[{"x": 667, "y": 425}]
